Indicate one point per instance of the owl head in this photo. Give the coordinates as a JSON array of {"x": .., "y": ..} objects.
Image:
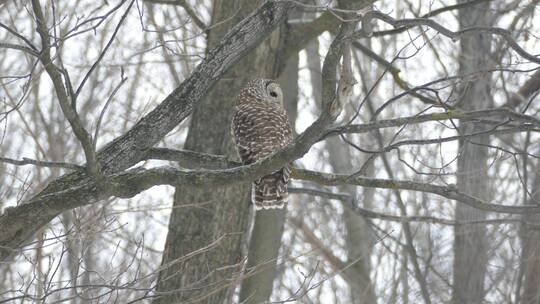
[{"x": 264, "y": 90}]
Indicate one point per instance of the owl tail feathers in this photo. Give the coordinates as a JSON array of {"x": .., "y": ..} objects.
[{"x": 270, "y": 192}]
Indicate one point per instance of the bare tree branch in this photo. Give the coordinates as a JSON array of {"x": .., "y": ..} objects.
[
  {"x": 430, "y": 14},
  {"x": 14, "y": 33},
  {"x": 457, "y": 35},
  {"x": 102, "y": 54},
  {"x": 465, "y": 116},
  {"x": 450, "y": 192},
  {"x": 56, "y": 77},
  {"x": 39, "y": 163},
  {"x": 19, "y": 47},
  {"x": 352, "y": 204},
  {"x": 189, "y": 10}
]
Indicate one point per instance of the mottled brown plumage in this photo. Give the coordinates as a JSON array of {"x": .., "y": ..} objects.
[{"x": 260, "y": 127}]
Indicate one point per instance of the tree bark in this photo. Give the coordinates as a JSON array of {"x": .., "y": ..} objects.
[
  {"x": 470, "y": 244},
  {"x": 531, "y": 250}
]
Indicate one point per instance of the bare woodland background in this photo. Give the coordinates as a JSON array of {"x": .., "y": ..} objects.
[{"x": 435, "y": 157}]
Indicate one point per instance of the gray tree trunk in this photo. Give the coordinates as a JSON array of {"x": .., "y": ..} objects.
[
  {"x": 531, "y": 250},
  {"x": 470, "y": 247},
  {"x": 203, "y": 248}
]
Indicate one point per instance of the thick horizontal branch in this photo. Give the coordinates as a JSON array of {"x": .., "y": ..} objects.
[
  {"x": 194, "y": 160},
  {"x": 450, "y": 192},
  {"x": 350, "y": 203},
  {"x": 130, "y": 183},
  {"x": 133, "y": 182}
]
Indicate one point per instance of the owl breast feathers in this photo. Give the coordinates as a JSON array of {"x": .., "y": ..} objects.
[{"x": 260, "y": 127}]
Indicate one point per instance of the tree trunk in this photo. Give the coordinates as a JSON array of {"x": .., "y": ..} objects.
[
  {"x": 470, "y": 247},
  {"x": 203, "y": 248},
  {"x": 531, "y": 250}
]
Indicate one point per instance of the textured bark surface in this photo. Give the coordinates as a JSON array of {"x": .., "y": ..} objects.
[
  {"x": 531, "y": 250},
  {"x": 220, "y": 216},
  {"x": 19, "y": 224},
  {"x": 263, "y": 252},
  {"x": 470, "y": 247}
]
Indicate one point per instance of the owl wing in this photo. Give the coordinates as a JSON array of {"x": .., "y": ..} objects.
[
  {"x": 259, "y": 130},
  {"x": 244, "y": 134}
]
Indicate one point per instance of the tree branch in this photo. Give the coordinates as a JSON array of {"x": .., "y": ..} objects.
[
  {"x": 102, "y": 54},
  {"x": 19, "y": 47},
  {"x": 56, "y": 77},
  {"x": 352, "y": 204},
  {"x": 39, "y": 163},
  {"x": 14, "y": 33},
  {"x": 189, "y": 10},
  {"x": 464, "y": 116},
  {"x": 430, "y": 14},
  {"x": 450, "y": 192},
  {"x": 457, "y": 35}
]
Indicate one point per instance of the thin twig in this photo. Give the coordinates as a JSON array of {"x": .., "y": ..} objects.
[
  {"x": 102, "y": 54},
  {"x": 98, "y": 124},
  {"x": 189, "y": 10},
  {"x": 14, "y": 33}
]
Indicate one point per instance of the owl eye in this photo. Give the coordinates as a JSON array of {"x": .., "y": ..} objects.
[{"x": 273, "y": 94}]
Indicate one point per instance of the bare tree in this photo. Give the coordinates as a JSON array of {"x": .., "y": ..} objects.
[
  {"x": 415, "y": 162},
  {"x": 471, "y": 246}
]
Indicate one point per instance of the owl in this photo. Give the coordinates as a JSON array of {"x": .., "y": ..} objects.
[{"x": 259, "y": 127}]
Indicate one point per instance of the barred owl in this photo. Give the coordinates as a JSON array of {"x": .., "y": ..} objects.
[{"x": 260, "y": 127}]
